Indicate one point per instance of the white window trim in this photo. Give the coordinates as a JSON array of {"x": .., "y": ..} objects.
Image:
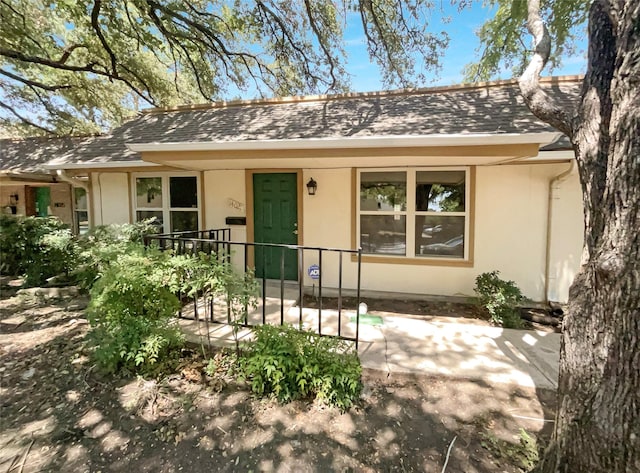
[
  {"x": 76, "y": 209},
  {"x": 411, "y": 213},
  {"x": 165, "y": 209}
]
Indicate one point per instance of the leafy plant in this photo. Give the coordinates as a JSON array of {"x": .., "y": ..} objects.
[
  {"x": 131, "y": 312},
  {"x": 213, "y": 277},
  {"x": 523, "y": 454},
  {"x": 104, "y": 244},
  {"x": 290, "y": 364},
  {"x": 36, "y": 247},
  {"x": 499, "y": 298}
]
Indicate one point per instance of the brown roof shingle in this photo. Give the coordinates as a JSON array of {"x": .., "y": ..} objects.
[{"x": 491, "y": 108}]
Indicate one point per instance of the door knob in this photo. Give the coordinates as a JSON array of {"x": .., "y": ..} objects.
[{"x": 295, "y": 232}]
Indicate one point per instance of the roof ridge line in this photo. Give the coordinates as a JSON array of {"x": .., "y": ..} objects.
[{"x": 352, "y": 95}]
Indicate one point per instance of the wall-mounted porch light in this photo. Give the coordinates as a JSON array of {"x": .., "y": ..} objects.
[{"x": 312, "y": 187}]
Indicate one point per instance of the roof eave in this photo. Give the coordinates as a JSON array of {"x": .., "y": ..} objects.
[
  {"x": 352, "y": 142},
  {"x": 98, "y": 165}
]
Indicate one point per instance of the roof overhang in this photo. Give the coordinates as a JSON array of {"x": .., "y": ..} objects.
[
  {"x": 99, "y": 165},
  {"x": 31, "y": 177},
  {"x": 401, "y": 141}
]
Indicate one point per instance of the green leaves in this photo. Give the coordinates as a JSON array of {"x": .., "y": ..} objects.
[
  {"x": 499, "y": 298},
  {"x": 505, "y": 45},
  {"x": 291, "y": 364},
  {"x": 84, "y": 66},
  {"x": 36, "y": 247}
]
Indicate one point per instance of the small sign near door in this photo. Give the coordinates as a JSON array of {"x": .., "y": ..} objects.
[{"x": 314, "y": 271}]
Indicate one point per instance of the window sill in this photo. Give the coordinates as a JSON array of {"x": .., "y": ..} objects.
[{"x": 455, "y": 263}]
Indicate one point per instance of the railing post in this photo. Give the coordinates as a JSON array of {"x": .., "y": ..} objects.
[
  {"x": 300, "y": 285},
  {"x": 281, "y": 286},
  {"x": 264, "y": 284},
  {"x": 358, "y": 296},
  {"x": 339, "y": 293},
  {"x": 320, "y": 293}
]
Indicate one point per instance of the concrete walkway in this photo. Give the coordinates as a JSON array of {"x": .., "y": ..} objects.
[{"x": 441, "y": 346}]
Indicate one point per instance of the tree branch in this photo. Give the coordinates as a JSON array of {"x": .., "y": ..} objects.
[
  {"x": 323, "y": 46},
  {"x": 23, "y": 119},
  {"x": 31, "y": 83},
  {"x": 95, "y": 15},
  {"x": 541, "y": 104}
]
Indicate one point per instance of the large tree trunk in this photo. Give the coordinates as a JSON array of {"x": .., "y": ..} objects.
[{"x": 598, "y": 422}]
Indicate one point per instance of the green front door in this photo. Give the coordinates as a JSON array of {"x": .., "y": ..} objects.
[
  {"x": 275, "y": 218},
  {"x": 43, "y": 199}
]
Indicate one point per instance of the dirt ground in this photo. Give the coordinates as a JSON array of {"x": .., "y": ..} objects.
[{"x": 58, "y": 413}]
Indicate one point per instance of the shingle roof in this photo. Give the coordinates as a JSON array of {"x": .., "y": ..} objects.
[
  {"x": 492, "y": 108},
  {"x": 27, "y": 155}
]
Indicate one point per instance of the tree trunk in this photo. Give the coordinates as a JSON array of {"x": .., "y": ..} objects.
[{"x": 598, "y": 422}]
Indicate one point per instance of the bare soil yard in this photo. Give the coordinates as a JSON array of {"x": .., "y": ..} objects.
[{"x": 58, "y": 413}]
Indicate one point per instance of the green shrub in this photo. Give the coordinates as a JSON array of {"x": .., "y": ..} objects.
[
  {"x": 500, "y": 299},
  {"x": 104, "y": 244},
  {"x": 131, "y": 312},
  {"x": 36, "y": 248},
  {"x": 291, "y": 364}
]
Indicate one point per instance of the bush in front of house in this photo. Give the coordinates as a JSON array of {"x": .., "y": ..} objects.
[
  {"x": 292, "y": 364},
  {"x": 103, "y": 244},
  {"x": 499, "y": 298},
  {"x": 37, "y": 248},
  {"x": 131, "y": 312}
]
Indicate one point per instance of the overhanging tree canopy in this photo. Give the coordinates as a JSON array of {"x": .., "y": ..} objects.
[{"x": 80, "y": 66}]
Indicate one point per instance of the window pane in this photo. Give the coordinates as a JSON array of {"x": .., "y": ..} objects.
[
  {"x": 384, "y": 191},
  {"x": 183, "y": 192},
  {"x": 440, "y": 236},
  {"x": 145, "y": 214},
  {"x": 149, "y": 192},
  {"x": 79, "y": 198},
  {"x": 82, "y": 222},
  {"x": 383, "y": 234},
  {"x": 440, "y": 191},
  {"x": 184, "y": 221}
]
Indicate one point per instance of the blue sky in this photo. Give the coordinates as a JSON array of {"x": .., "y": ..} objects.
[{"x": 461, "y": 51}]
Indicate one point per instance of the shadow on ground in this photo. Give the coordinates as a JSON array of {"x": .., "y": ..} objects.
[{"x": 59, "y": 414}]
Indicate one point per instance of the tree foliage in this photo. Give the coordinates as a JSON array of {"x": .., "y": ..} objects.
[
  {"x": 80, "y": 66},
  {"x": 503, "y": 46}
]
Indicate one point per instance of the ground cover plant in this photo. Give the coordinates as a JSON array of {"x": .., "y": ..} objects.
[
  {"x": 291, "y": 364},
  {"x": 499, "y": 298}
]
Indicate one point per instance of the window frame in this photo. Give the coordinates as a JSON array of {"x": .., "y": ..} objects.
[
  {"x": 411, "y": 214},
  {"x": 76, "y": 210},
  {"x": 166, "y": 209}
]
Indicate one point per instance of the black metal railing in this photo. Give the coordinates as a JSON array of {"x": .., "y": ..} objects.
[{"x": 243, "y": 254}]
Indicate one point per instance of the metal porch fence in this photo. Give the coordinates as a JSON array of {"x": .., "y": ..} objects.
[{"x": 217, "y": 242}]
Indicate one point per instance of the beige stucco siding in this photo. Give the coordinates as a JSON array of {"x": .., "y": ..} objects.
[
  {"x": 567, "y": 230},
  {"x": 511, "y": 204},
  {"x": 510, "y": 229},
  {"x": 111, "y": 197}
]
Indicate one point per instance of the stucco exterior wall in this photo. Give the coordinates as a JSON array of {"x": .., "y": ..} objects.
[
  {"x": 111, "y": 197},
  {"x": 224, "y": 195},
  {"x": 60, "y": 204},
  {"x": 8, "y": 189},
  {"x": 567, "y": 233},
  {"x": 510, "y": 231}
]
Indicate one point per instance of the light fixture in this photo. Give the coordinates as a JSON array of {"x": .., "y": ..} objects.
[{"x": 312, "y": 186}]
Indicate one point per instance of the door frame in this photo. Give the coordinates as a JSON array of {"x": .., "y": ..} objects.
[{"x": 250, "y": 210}]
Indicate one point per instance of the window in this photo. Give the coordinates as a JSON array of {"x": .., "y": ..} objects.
[
  {"x": 80, "y": 211},
  {"x": 171, "y": 200},
  {"x": 415, "y": 213}
]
